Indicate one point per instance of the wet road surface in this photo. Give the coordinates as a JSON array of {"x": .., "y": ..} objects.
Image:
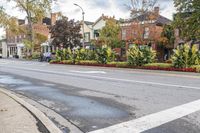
[
  {"x": 88, "y": 113},
  {"x": 95, "y": 98}
]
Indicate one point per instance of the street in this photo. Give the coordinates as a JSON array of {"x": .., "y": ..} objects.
[{"x": 96, "y": 98}]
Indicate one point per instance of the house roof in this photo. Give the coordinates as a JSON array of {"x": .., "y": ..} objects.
[
  {"x": 163, "y": 20},
  {"x": 160, "y": 20},
  {"x": 100, "y": 18},
  {"x": 89, "y": 23}
]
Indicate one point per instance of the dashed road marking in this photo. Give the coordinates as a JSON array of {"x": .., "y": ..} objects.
[
  {"x": 4, "y": 63},
  {"x": 105, "y": 78},
  {"x": 24, "y": 63},
  {"x": 89, "y": 72},
  {"x": 144, "y": 123}
]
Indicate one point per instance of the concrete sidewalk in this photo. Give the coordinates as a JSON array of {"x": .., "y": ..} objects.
[{"x": 14, "y": 118}]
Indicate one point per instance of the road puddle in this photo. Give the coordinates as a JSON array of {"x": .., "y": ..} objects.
[
  {"x": 79, "y": 106},
  {"x": 8, "y": 80}
]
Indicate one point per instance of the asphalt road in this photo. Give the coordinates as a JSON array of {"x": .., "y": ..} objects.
[{"x": 93, "y": 98}]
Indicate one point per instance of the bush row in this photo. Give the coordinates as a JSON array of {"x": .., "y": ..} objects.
[
  {"x": 137, "y": 55},
  {"x": 151, "y": 66},
  {"x": 185, "y": 58}
]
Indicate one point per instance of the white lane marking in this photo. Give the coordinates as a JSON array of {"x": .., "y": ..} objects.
[
  {"x": 146, "y": 122},
  {"x": 105, "y": 78},
  {"x": 4, "y": 63},
  {"x": 37, "y": 64},
  {"x": 154, "y": 120},
  {"x": 88, "y": 72},
  {"x": 33, "y": 63}
]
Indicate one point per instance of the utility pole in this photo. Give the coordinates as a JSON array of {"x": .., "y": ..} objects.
[{"x": 83, "y": 21}]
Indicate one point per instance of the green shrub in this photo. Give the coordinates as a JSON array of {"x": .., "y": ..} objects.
[
  {"x": 119, "y": 64},
  {"x": 54, "y": 61},
  {"x": 59, "y": 55},
  {"x": 161, "y": 65},
  {"x": 80, "y": 54},
  {"x": 197, "y": 67},
  {"x": 84, "y": 54},
  {"x": 67, "y": 54},
  {"x": 105, "y": 55},
  {"x": 91, "y": 55},
  {"x": 87, "y": 62},
  {"x": 67, "y": 62},
  {"x": 140, "y": 55},
  {"x": 168, "y": 61},
  {"x": 35, "y": 55},
  {"x": 111, "y": 55},
  {"x": 185, "y": 57},
  {"x": 64, "y": 54}
]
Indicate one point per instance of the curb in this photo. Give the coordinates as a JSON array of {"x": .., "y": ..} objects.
[{"x": 51, "y": 127}]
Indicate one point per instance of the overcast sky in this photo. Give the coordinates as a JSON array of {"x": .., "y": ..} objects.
[{"x": 93, "y": 8}]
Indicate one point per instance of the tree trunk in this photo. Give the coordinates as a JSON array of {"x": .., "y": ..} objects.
[{"x": 30, "y": 33}]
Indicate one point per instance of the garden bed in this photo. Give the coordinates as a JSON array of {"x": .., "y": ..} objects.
[{"x": 153, "y": 66}]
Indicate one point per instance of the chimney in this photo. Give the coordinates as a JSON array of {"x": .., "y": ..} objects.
[
  {"x": 54, "y": 17},
  {"x": 157, "y": 10}
]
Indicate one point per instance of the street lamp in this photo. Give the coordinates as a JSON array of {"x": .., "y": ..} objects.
[{"x": 83, "y": 13}]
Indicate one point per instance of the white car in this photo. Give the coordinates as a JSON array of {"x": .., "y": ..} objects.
[{"x": 0, "y": 55}]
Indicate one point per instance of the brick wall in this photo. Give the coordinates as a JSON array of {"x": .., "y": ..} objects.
[
  {"x": 42, "y": 29},
  {"x": 136, "y": 32}
]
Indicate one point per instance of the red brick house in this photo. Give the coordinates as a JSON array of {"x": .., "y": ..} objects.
[
  {"x": 145, "y": 30},
  {"x": 15, "y": 44}
]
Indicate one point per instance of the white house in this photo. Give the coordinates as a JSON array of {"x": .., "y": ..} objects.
[
  {"x": 98, "y": 25},
  {"x": 91, "y": 29},
  {"x": 87, "y": 31}
]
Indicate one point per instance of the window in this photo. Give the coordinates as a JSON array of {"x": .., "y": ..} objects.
[
  {"x": 146, "y": 33},
  {"x": 96, "y": 34},
  {"x": 87, "y": 37}
]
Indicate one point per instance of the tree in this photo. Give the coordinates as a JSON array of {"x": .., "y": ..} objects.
[
  {"x": 66, "y": 33},
  {"x": 4, "y": 17},
  {"x": 9, "y": 22},
  {"x": 39, "y": 39},
  {"x": 168, "y": 37},
  {"x": 141, "y": 7},
  {"x": 109, "y": 34},
  {"x": 187, "y": 19},
  {"x": 35, "y": 11},
  {"x": 142, "y": 13}
]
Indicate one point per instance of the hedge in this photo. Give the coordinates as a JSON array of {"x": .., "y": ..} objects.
[
  {"x": 120, "y": 64},
  {"x": 161, "y": 65},
  {"x": 197, "y": 67},
  {"x": 151, "y": 66},
  {"x": 87, "y": 62}
]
